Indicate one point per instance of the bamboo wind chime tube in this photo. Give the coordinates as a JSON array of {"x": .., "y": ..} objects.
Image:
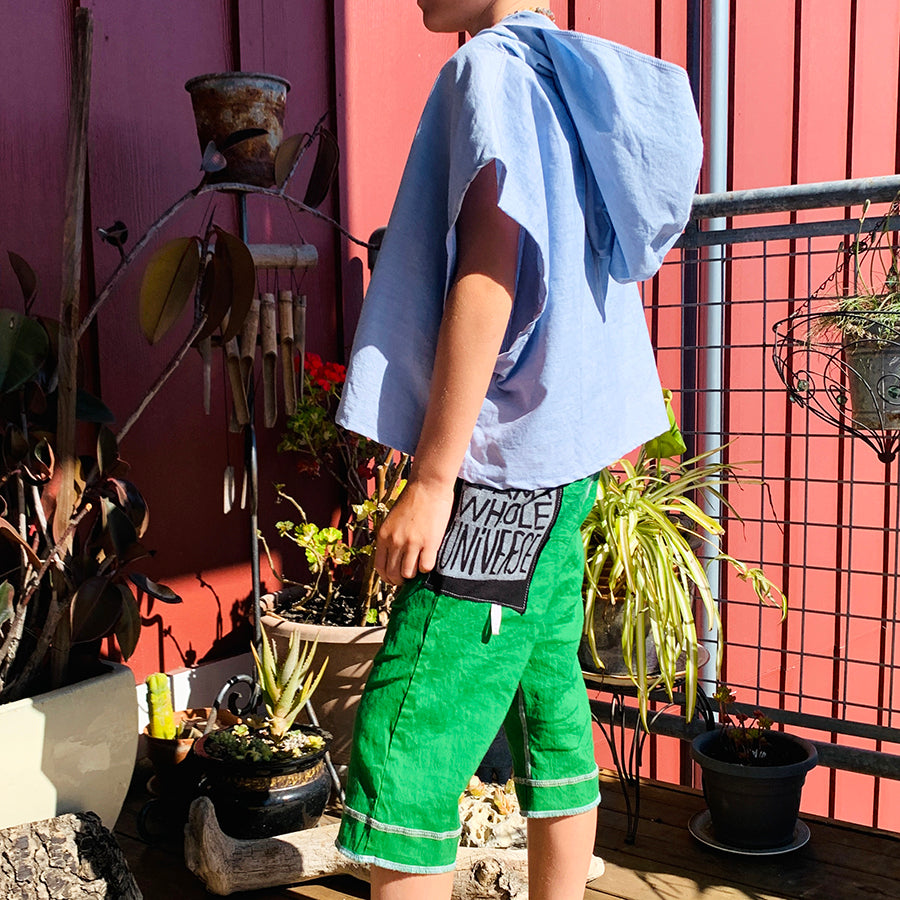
[
  {"x": 268, "y": 329},
  {"x": 286, "y": 338},
  {"x": 239, "y": 395},
  {"x": 300, "y": 335},
  {"x": 205, "y": 350},
  {"x": 248, "y": 342}
]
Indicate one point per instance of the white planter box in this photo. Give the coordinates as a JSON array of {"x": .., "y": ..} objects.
[{"x": 69, "y": 750}]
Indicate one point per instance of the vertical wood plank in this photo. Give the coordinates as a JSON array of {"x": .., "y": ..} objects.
[{"x": 386, "y": 63}]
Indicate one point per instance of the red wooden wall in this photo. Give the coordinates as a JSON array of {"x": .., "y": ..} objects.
[{"x": 814, "y": 96}]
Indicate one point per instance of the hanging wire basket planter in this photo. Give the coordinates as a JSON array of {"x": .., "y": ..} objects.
[
  {"x": 852, "y": 383},
  {"x": 839, "y": 355}
]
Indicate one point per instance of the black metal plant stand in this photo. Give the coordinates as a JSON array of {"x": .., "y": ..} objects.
[{"x": 620, "y": 724}]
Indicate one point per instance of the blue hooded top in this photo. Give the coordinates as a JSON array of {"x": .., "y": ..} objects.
[{"x": 597, "y": 150}]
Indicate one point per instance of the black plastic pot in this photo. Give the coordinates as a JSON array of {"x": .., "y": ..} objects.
[
  {"x": 754, "y": 807},
  {"x": 262, "y": 799}
]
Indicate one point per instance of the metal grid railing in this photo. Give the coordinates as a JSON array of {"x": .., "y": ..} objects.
[{"x": 820, "y": 511}]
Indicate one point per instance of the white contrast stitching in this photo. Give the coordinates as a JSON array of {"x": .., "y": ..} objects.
[
  {"x": 399, "y": 829},
  {"x": 548, "y": 814},
  {"x": 553, "y": 782},
  {"x": 390, "y": 864}
]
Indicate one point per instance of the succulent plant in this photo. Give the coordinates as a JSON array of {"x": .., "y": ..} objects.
[
  {"x": 286, "y": 685},
  {"x": 159, "y": 703}
]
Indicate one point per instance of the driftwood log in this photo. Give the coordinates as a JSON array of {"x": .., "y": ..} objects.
[
  {"x": 70, "y": 857},
  {"x": 226, "y": 864}
]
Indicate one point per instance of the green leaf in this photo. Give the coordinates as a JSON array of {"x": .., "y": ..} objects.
[
  {"x": 128, "y": 628},
  {"x": 236, "y": 257},
  {"x": 9, "y": 533},
  {"x": 121, "y": 530},
  {"x": 168, "y": 282},
  {"x": 289, "y": 151},
  {"x": 89, "y": 408},
  {"x": 7, "y": 592},
  {"x": 25, "y": 274},
  {"x": 670, "y": 442},
  {"x": 324, "y": 169},
  {"x": 95, "y": 611},
  {"x": 23, "y": 349},
  {"x": 107, "y": 450},
  {"x": 216, "y": 291},
  {"x": 130, "y": 501},
  {"x": 159, "y": 591}
]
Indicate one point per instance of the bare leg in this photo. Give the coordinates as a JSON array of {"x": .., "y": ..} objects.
[
  {"x": 559, "y": 853},
  {"x": 390, "y": 885}
]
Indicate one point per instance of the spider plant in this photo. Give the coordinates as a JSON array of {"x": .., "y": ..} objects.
[
  {"x": 869, "y": 311},
  {"x": 641, "y": 542}
]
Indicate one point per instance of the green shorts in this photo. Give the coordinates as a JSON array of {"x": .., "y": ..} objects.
[{"x": 442, "y": 685}]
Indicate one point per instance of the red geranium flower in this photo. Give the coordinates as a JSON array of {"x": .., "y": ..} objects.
[
  {"x": 312, "y": 363},
  {"x": 336, "y": 372}
]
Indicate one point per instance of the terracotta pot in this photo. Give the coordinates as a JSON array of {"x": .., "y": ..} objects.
[
  {"x": 227, "y": 102},
  {"x": 167, "y": 753},
  {"x": 350, "y": 651}
]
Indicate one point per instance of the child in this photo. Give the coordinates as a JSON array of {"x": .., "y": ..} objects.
[{"x": 503, "y": 342}]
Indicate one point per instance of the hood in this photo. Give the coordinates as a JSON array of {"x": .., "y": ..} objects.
[{"x": 639, "y": 134}]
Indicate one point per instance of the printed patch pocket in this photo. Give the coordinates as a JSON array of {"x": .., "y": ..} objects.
[{"x": 493, "y": 542}]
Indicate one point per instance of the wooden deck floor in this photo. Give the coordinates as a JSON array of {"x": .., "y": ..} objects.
[{"x": 841, "y": 862}]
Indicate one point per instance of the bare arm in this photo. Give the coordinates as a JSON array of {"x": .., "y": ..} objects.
[{"x": 475, "y": 319}]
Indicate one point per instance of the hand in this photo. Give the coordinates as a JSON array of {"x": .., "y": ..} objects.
[{"x": 410, "y": 536}]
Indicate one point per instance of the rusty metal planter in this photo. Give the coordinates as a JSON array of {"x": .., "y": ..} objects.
[{"x": 227, "y": 102}]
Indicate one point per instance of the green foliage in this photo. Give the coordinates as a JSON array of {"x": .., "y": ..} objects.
[
  {"x": 369, "y": 472},
  {"x": 66, "y": 582},
  {"x": 870, "y": 309},
  {"x": 744, "y": 738},
  {"x": 641, "y": 540},
  {"x": 243, "y": 742},
  {"x": 286, "y": 684}
]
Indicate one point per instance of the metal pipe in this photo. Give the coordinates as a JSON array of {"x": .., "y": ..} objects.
[
  {"x": 251, "y": 464},
  {"x": 833, "y": 756},
  {"x": 714, "y": 303},
  {"x": 790, "y": 231},
  {"x": 850, "y": 192}
]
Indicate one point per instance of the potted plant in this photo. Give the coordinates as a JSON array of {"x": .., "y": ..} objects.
[
  {"x": 752, "y": 782},
  {"x": 266, "y": 775},
  {"x": 69, "y": 581},
  {"x": 343, "y": 603},
  {"x": 865, "y": 323},
  {"x": 643, "y": 570}
]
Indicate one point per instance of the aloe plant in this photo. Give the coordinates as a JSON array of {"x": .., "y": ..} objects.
[
  {"x": 287, "y": 684},
  {"x": 639, "y": 541}
]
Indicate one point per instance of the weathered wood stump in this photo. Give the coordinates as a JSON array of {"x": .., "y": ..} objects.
[
  {"x": 226, "y": 864},
  {"x": 70, "y": 857}
]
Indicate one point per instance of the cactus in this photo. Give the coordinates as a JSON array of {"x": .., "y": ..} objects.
[
  {"x": 283, "y": 687},
  {"x": 159, "y": 702}
]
